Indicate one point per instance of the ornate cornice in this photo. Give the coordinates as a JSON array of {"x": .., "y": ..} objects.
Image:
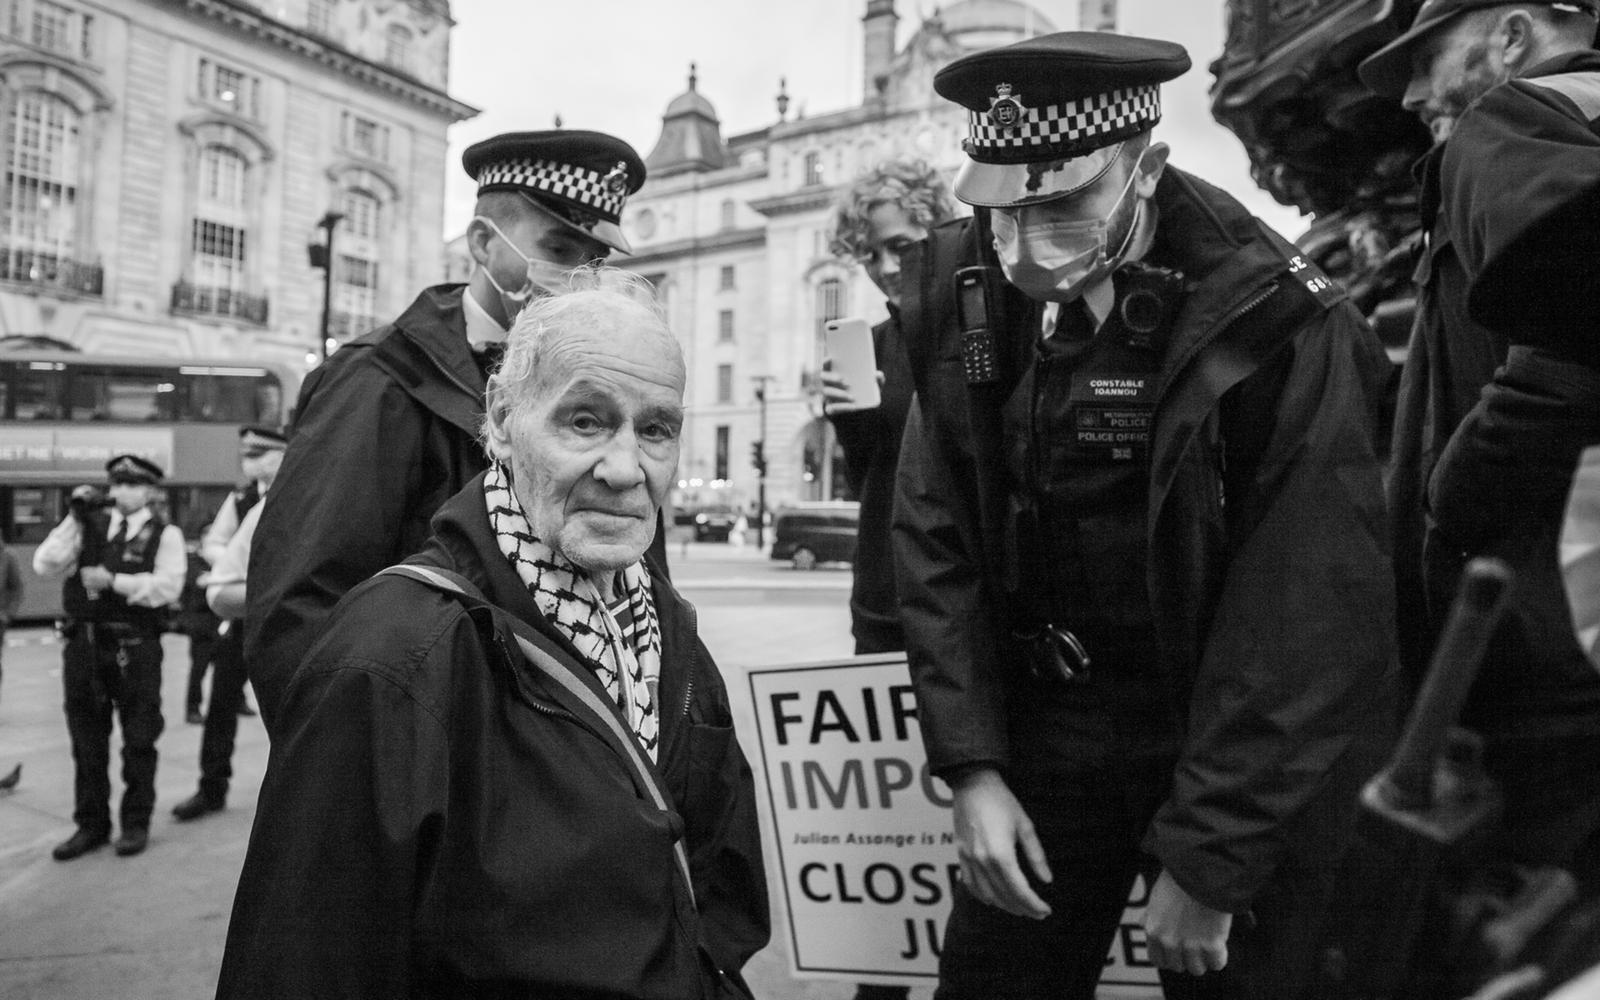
[
  {"x": 729, "y": 240},
  {"x": 256, "y": 24},
  {"x": 803, "y": 200}
]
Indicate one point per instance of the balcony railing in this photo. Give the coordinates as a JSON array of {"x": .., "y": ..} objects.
[
  {"x": 207, "y": 300},
  {"x": 344, "y": 326},
  {"x": 50, "y": 270}
]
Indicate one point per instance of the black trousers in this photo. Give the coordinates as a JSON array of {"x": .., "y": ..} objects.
[
  {"x": 103, "y": 674},
  {"x": 222, "y": 713},
  {"x": 203, "y": 641}
]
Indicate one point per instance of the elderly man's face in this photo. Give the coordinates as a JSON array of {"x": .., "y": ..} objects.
[
  {"x": 1450, "y": 69},
  {"x": 594, "y": 456}
]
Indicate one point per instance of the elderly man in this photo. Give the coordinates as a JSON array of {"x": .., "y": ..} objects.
[
  {"x": 1139, "y": 543},
  {"x": 509, "y": 767},
  {"x": 402, "y": 405}
]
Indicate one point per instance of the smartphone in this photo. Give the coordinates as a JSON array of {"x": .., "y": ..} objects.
[{"x": 848, "y": 343}]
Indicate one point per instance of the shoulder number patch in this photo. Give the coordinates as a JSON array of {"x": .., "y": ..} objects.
[{"x": 1323, "y": 288}]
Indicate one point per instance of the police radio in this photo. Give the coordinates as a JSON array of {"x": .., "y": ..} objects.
[{"x": 980, "y": 347}]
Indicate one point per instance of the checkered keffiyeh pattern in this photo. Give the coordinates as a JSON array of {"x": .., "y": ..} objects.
[
  {"x": 563, "y": 180},
  {"x": 1073, "y": 128},
  {"x": 626, "y": 658}
]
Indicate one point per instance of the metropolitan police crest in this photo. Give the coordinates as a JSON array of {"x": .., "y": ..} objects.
[
  {"x": 617, "y": 180},
  {"x": 1005, "y": 110}
]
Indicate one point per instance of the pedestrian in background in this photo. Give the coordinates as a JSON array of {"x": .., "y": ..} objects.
[
  {"x": 123, "y": 566},
  {"x": 508, "y": 768},
  {"x": 1519, "y": 190},
  {"x": 886, "y": 210},
  {"x": 1139, "y": 537},
  {"x": 10, "y": 596},
  {"x": 403, "y": 405},
  {"x": 226, "y": 547}
]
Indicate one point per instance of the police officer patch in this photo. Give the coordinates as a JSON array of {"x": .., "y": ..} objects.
[{"x": 1005, "y": 111}]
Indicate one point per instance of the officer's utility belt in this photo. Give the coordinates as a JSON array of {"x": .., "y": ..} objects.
[{"x": 108, "y": 633}]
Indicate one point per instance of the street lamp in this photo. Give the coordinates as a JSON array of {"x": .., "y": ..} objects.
[
  {"x": 759, "y": 460},
  {"x": 321, "y": 255}
]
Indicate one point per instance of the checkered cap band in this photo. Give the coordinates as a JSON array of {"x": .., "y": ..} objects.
[
  {"x": 563, "y": 180},
  {"x": 1069, "y": 129}
]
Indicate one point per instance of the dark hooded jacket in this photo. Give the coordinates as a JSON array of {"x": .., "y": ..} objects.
[
  {"x": 385, "y": 431},
  {"x": 439, "y": 819},
  {"x": 1268, "y": 571}
]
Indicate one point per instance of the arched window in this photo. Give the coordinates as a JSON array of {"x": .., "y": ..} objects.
[
  {"x": 813, "y": 170},
  {"x": 355, "y": 275},
  {"x": 43, "y": 134},
  {"x": 829, "y": 305},
  {"x": 219, "y": 231}
]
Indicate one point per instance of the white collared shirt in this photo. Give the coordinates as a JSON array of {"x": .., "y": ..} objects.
[
  {"x": 57, "y": 556},
  {"x": 482, "y": 330}
]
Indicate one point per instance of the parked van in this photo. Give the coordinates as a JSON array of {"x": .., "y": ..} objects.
[{"x": 809, "y": 533}]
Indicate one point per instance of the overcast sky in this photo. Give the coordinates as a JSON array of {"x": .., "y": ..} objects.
[{"x": 613, "y": 65}]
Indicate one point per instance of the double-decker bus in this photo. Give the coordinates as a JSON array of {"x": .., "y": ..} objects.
[{"x": 63, "y": 415}]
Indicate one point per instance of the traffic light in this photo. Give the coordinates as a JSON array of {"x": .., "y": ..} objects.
[{"x": 758, "y": 456}]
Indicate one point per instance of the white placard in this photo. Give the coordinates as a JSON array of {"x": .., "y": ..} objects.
[{"x": 864, "y": 847}]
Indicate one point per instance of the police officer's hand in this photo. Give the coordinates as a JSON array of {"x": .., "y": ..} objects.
[
  {"x": 95, "y": 578},
  {"x": 1185, "y": 935},
  {"x": 992, "y": 833}
]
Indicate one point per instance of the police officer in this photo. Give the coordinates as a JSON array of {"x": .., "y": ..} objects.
[
  {"x": 387, "y": 429},
  {"x": 260, "y": 452},
  {"x": 123, "y": 566},
  {"x": 1139, "y": 544}
]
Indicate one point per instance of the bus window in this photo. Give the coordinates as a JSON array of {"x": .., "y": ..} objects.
[
  {"x": 29, "y": 513},
  {"x": 232, "y": 399},
  {"x": 128, "y": 395},
  {"x": 36, "y": 391}
]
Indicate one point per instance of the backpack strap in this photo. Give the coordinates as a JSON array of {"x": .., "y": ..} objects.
[
  {"x": 1582, "y": 89},
  {"x": 562, "y": 674}
]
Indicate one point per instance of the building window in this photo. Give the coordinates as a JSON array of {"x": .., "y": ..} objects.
[
  {"x": 53, "y": 26},
  {"x": 229, "y": 87},
  {"x": 725, "y": 326},
  {"x": 363, "y": 136},
  {"x": 218, "y": 261},
  {"x": 319, "y": 17},
  {"x": 725, "y": 283},
  {"x": 724, "y": 383},
  {"x": 355, "y": 277},
  {"x": 813, "y": 170},
  {"x": 43, "y": 137},
  {"x": 397, "y": 52},
  {"x": 723, "y": 434},
  {"x": 830, "y": 305},
  {"x": 728, "y": 209}
]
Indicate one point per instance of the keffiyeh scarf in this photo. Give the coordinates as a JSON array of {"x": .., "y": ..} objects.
[{"x": 626, "y": 657}]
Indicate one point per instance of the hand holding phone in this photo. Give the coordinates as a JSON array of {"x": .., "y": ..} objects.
[{"x": 853, "y": 362}]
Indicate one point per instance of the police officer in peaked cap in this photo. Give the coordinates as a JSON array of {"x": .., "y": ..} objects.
[
  {"x": 1138, "y": 532},
  {"x": 120, "y": 566},
  {"x": 387, "y": 428}
]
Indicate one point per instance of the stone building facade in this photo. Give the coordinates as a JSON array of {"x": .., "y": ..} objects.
[
  {"x": 167, "y": 163},
  {"x": 734, "y": 232}
]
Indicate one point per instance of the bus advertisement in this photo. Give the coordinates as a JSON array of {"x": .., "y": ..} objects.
[{"x": 63, "y": 415}]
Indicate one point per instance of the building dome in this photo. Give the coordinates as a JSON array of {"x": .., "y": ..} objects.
[
  {"x": 984, "y": 24},
  {"x": 691, "y": 135}
]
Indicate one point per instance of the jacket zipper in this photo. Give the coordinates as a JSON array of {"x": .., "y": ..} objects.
[
  {"x": 537, "y": 706},
  {"x": 1232, "y": 316},
  {"x": 694, "y": 658}
]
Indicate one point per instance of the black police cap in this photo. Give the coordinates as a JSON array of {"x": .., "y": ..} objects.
[
  {"x": 133, "y": 469},
  {"x": 1068, "y": 99},
  {"x": 583, "y": 178}
]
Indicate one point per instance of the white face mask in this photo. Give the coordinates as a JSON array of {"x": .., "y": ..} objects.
[
  {"x": 1059, "y": 261},
  {"x": 539, "y": 279}
]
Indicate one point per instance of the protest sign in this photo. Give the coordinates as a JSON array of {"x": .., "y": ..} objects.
[{"x": 864, "y": 845}]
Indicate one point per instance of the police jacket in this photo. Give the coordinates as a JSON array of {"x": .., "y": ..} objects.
[
  {"x": 1268, "y": 572},
  {"x": 1449, "y": 359},
  {"x": 1529, "y": 246},
  {"x": 441, "y": 819},
  {"x": 871, "y": 443},
  {"x": 385, "y": 431}
]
